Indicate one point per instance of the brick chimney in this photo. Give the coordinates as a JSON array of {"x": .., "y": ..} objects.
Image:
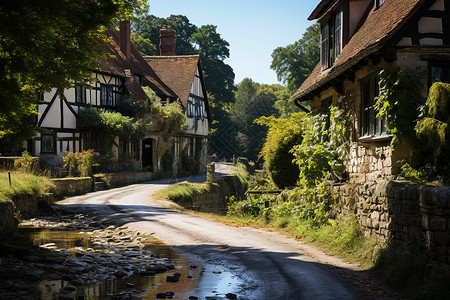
[
  {"x": 167, "y": 37},
  {"x": 125, "y": 42}
]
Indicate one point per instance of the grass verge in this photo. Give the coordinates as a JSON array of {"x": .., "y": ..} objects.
[
  {"x": 23, "y": 184},
  {"x": 181, "y": 192}
]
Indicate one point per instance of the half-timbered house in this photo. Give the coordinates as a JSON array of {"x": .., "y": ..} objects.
[
  {"x": 183, "y": 75},
  {"x": 359, "y": 38},
  {"x": 121, "y": 75}
]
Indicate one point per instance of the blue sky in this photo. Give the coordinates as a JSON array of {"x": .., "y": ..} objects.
[{"x": 253, "y": 28}]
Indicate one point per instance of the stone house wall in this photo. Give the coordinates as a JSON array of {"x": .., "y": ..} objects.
[
  {"x": 372, "y": 159},
  {"x": 400, "y": 211}
]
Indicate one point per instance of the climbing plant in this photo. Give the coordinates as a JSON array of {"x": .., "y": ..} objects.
[
  {"x": 169, "y": 120},
  {"x": 326, "y": 142},
  {"x": 400, "y": 96}
]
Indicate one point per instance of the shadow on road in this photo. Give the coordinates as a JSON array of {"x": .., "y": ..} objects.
[{"x": 260, "y": 273}]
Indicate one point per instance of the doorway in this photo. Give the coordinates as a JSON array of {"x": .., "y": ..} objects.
[{"x": 147, "y": 154}]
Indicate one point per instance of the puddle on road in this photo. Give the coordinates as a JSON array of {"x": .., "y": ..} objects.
[{"x": 208, "y": 280}]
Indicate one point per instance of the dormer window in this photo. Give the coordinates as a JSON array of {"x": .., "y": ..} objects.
[{"x": 331, "y": 39}]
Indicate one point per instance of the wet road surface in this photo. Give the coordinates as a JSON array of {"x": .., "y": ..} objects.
[{"x": 252, "y": 263}]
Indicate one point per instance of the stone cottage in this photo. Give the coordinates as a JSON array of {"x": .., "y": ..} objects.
[{"x": 359, "y": 38}]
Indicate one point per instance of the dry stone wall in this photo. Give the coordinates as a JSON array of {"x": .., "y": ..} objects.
[{"x": 400, "y": 211}]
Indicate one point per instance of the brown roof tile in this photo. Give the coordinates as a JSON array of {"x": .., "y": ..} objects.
[
  {"x": 178, "y": 72},
  {"x": 380, "y": 25},
  {"x": 118, "y": 64}
]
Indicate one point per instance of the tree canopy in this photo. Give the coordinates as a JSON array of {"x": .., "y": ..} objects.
[
  {"x": 148, "y": 27},
  {"x": 49, "y": 44},
  {"x": 253, "y": 100},
  {"x": 295, "y": 62}
]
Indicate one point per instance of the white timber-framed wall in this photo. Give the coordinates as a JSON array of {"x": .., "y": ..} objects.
[{"x": 58, "y": 116}]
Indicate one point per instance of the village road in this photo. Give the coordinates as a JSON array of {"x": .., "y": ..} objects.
[{"x": 249, "y": 262}]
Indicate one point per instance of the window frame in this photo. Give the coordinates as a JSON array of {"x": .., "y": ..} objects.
[
  {"x": 106, "y": 91},
  {"x": 80, "y": 98},
  {"x": 371, "y": 126},
  {"x": 331, "y": 38},
  {"x": 44, "y": 150},
  {"x": 444, "y": 65}
]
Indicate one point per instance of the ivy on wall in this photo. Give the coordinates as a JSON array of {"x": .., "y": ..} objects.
[{"x": 399, "y": 99}]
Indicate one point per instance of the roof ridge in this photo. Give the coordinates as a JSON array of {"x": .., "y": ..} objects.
[{"x": 173, "y": 56}]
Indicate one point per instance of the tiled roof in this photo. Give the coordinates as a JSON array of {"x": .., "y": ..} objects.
[
  {"x": 379, "y": 26},
  {"x": 178, "y": 72},
  {"x": 118, "y": 64}
]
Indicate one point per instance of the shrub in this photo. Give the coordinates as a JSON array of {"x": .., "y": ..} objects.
[
  {"x": 282, "y": 136},
  {"x": 434, "y": 128},
  {"x": 81, "y": 162}
]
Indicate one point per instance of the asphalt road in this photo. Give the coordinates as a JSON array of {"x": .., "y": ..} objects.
[{"x": 249, "y": 262}]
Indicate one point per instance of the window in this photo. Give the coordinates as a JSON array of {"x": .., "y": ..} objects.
[
  {"x": 39, "y": 97},
  {"x": 48, "y": 143},
  {"x": 371, "y": 125},
  {"x": 331, "y": 39},
  {"x": 106, "y": 97},
  {"x": 439, "y": 72},
  {"x": 190, "y": 109},
  {"x": 80, "y": 93}
]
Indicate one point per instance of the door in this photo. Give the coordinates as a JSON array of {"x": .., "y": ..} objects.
[{"x": 147, "y": 154}]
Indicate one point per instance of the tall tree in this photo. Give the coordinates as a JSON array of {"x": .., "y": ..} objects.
[
  {"x": 148, "y": 27},
  {"x": 253, "y": 100},
  {"x": 295, "y": 62},
  {"x": 48, "y": 44},
  {"x": 144, "y": 45}
]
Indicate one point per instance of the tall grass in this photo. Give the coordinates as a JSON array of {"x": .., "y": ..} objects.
[
  {"x": 23, "y": 184},
  {"x": 181, "y": 191}
]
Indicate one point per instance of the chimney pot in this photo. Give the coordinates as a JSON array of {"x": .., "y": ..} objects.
[{"x": 167, "y": 37}]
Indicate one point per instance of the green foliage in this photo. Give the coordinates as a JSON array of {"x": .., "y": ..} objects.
[
  {"x": 424, "y": 174},
  {"x": 433, "y": 129},
  {"x": 57, "y": 43},
  {"x": 295, "y": 62},
  {"x": 26, "y": 163},
  {"x": 80, "y": 162},
  {"x": 23, "y": 184},
  {"x": 70, "y": 163},
  {"x": 148, "y": 28},
  {"x": 107, "y": 125},
  {"x": 324, "y": 146},
  {"x": 282, "y": 136},
  {"x": 171, "y": 120},
  {"x": 400, "y": 96},
  {"x": 182, "y": 192},
  {"x": 144, "y": 45},
  {"x": 253, "y": 100}
]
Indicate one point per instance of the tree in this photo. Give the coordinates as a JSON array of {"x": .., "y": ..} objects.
[
  {"x": 44, "y": 45},
  {"x": 295, "y": 62},
  {"x": 144, "y": 45},
  {"x": 148, "y": 27},
  {"x": 252, "y": 101}
]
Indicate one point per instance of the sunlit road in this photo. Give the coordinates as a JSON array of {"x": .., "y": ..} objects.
[{"x": 252, "y": 263}]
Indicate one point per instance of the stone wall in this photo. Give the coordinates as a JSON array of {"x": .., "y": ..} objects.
[
  {"x": 123, "y": 178},
  {"x": 7, "y": 221},
  {"x": 400, "y": 211},
  {"x": 216, "y": 198},
  {"x": 72, "y": 186}
]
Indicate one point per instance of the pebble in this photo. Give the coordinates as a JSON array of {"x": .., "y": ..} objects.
[{"x": 113, "y": 251}]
